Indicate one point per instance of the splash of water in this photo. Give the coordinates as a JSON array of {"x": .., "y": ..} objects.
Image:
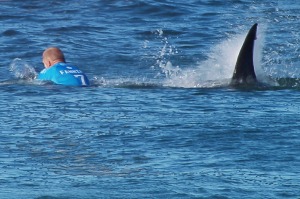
[
  {"x": 124, "y": 82},
  {"x": 22, "y": 70},
  {"x": 217, "y": 70}
]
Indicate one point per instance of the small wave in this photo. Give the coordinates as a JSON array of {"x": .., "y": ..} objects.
[
  {"x": 125, "y": 83},
  {"x": 51, "y": 197},
  {"x": 288, "y": 82},
  {"x": 86, "y": 29},
  {"x": 11, "y": 32}
]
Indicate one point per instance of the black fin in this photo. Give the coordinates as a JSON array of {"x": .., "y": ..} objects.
[{"x": 244, "y": 68}]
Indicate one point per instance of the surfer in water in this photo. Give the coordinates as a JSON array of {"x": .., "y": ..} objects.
[{"x": 59, "y": 72}]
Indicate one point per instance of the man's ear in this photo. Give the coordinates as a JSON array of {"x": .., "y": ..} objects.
[{"x": 48, "y": 63}]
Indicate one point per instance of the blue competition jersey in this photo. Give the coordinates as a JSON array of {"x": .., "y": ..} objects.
[{"x": 65, "y": 74}]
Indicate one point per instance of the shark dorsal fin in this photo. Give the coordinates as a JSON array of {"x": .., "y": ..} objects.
[{"x": 244, "y": 68}]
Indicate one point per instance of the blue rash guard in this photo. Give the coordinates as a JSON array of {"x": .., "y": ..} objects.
[{"x": 64, "y": 74}]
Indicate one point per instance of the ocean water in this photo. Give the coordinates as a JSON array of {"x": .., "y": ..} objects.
[{"x": 159, "y": 120}]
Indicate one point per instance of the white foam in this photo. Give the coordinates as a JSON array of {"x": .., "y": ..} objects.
[
  {"x": 21, "y": 69},
  {"x": 218, "y": 68}
]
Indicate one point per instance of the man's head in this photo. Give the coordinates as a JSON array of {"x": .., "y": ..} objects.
[{"x": 52, "y": 56}]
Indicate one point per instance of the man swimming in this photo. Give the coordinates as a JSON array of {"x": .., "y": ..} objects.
[{"x": 59, "y": 72}]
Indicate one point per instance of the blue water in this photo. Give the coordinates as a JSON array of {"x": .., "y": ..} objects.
[{"x": 159, "y": 120}]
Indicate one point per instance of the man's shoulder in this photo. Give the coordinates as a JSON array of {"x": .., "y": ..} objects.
[
  {"x": 44, "y": 71},
  {"x": 46, "y": 74},
  {"x": 66, "y": 66}
]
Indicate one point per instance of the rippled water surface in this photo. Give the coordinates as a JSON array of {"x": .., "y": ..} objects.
[{"x": 159, "y": 120}]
